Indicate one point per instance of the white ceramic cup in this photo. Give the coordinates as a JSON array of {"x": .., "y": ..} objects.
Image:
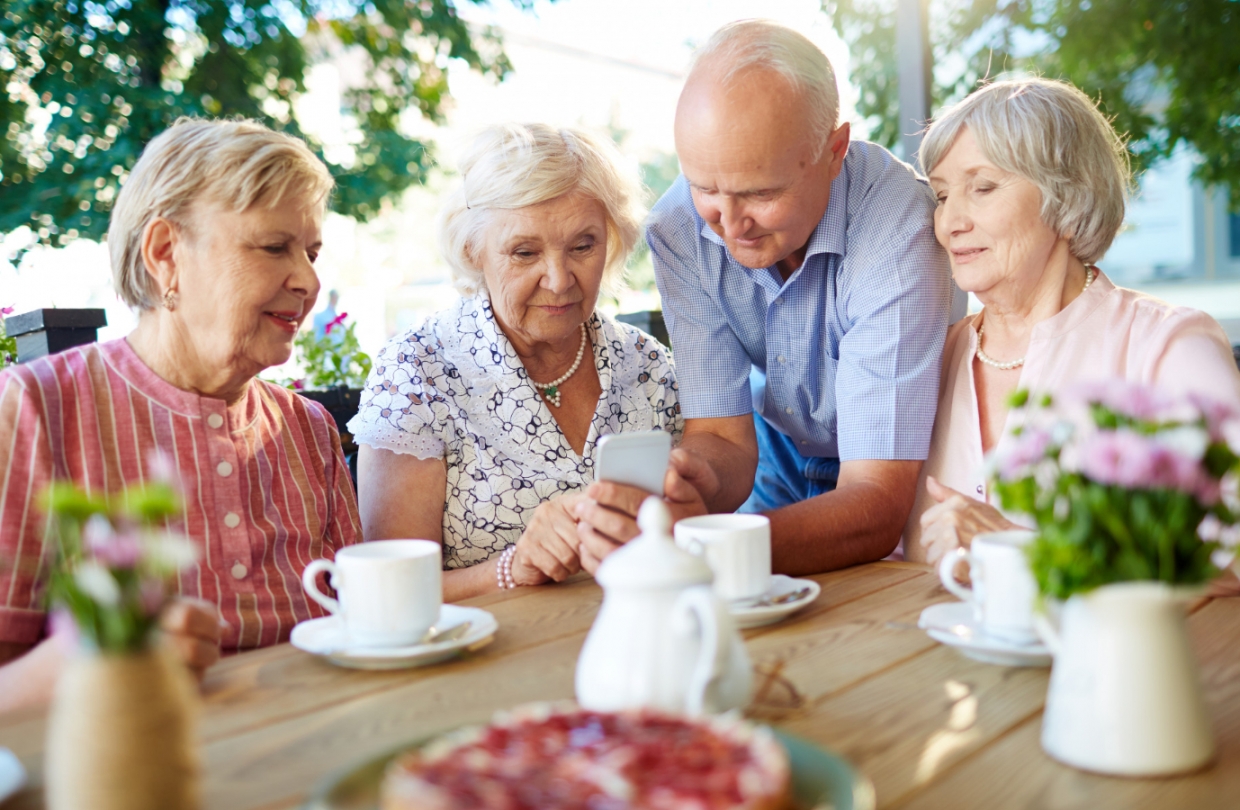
[
  {"x": 736, "y": 547},
  {"x": 390, "y": 590},
  {"x": 1003, "y": 590}
]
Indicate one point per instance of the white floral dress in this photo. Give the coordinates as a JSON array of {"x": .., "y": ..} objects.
[{"x": 454, "y": 388}]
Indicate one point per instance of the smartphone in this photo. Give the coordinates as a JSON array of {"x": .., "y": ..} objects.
[{"x": 637, "y": 459}]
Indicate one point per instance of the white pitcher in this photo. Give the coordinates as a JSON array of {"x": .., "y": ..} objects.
[
  {"x": 1125, "y": 697},
  {"x": 662, "y": 638}
]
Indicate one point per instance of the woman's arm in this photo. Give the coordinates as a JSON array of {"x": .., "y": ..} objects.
[{"x": 403, "y": 496}]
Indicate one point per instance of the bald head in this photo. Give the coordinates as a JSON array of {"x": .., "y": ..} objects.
[
  {"x": 774, "y": 52},
  {"x": 758, "y": 142}
]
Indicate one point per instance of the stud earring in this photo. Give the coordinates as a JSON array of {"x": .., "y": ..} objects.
[{"x": 170, "y": 299}]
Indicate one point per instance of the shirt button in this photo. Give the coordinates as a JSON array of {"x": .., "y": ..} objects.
[
  {"x": 232, "y": 520},
  {"x": 779, "y": 300},
  {"x": 224, "y": 469},
  {"x": 788, "y": 411},
  {"x": 803, "y": 441},
  {"x": 215, "y": 421},
  {"x": 781, "y": 359},
  {"x": 239, "y": 571},
  {"x": 979, "y": 489}
]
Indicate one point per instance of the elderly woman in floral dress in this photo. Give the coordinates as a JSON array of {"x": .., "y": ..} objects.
[
  {"x": 213, "y": 241},
  {"x": 479, "y": 428},
  {"x": 1031, "y": 181}
]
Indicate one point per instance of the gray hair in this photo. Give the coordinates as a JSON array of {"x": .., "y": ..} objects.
[
  {"x": 237, "y": 164},
  {"x": 1053, "y": 135},
  {"x": 739, "y": 46},
  {"x": 510, "y": 166}
]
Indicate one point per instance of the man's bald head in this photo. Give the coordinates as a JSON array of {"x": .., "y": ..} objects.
[{"x": 745, "y": 46}]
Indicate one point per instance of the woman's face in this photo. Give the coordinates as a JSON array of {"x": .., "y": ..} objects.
[
  {"x": 989, "y": 221},
  {"x": 246, "y": 282},
  {"x": 543, "y": 265}
]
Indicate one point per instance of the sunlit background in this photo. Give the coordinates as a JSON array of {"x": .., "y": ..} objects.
[{"x": 607, "y": 65}]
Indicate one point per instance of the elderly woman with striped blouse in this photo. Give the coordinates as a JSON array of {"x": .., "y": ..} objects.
[{"x": 213, "y": 241}]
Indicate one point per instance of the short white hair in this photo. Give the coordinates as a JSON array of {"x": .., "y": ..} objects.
[
  {"x": 1054, "y": 136},
  {"x": 509, "y": 166},
  {"x": 237, "y": 164},
  {"x": 764, "y": 44}
]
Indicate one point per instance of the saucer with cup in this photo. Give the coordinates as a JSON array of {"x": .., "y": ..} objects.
[
  {"x": 389, "y": 611},
  {"x": 994, "y": 621},
  {"x": 737, "y": 547}
]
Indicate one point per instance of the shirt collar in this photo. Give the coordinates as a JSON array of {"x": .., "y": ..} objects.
[{"x": 829, "y": 234}]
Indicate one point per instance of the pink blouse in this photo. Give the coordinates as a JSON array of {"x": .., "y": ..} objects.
[
  {"x": 267, "y": 490},
  {"x": 1107, "y": 332}
]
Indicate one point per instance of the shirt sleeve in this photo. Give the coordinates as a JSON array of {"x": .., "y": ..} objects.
[
  {"x": 1198, "y": 359},
  {"x": 895, "y": 299},
  {"x": 711, "y": 364},
  {"x": 398, "y": 406},
  {"x": 658, "y": 381},
  {"x": 25, "y": 470}
]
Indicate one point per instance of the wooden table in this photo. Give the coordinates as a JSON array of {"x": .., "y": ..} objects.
[{"x": 929, "y": 727}]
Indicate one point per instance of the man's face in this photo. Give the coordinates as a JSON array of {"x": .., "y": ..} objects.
[{"x": 748, "y": 155}]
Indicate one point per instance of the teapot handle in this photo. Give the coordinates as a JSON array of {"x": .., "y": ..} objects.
[{"x": 712, "y": 658}]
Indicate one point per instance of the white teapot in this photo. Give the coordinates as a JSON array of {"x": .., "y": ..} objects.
[{"x": 662, "y": 638}]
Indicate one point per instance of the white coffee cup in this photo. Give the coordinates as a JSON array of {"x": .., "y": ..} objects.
[
  {"x": 390, "y": 590},
  {"x": 1003, "y": 589},
  {"x": 736, "y": 547}
]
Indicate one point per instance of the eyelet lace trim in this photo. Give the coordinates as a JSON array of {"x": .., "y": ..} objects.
[{"x": 385, "y": 437}]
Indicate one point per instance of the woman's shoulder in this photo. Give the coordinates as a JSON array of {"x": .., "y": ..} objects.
[
  {"x": 59, "y": 376},
  {"x": 1153, "y": 320},
  {"x": 627, "y": 337}
]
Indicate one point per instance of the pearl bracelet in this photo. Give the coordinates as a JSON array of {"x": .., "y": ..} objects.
[{"x": 503, "y": 571}]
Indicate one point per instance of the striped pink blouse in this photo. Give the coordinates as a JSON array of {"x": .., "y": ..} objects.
[{"x": 267, "y": 489}]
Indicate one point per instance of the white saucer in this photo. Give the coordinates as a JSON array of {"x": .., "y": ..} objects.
[
  {"x": 953, "y": 623},
  {"x": 12, "y": 774},
  {"x": 326, "y": 637},
  {"x": 754, "y": 616}
]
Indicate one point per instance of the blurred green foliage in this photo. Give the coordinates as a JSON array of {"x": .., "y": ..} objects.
[
  {"x": 85, "y": 84},
  {"x": 1168, "y": 73}
]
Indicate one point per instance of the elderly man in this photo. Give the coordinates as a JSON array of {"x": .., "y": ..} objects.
[{"x": 808, "y": 303}]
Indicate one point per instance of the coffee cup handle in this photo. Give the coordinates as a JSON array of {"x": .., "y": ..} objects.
[
  {"x": 312, "y": 589},
  {"x": 947, "y": 573}
]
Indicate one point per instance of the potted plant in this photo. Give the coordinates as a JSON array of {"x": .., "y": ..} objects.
[
  {"x": 335, "y": 369},
  {"x": 121, "y": 732},
  {"x": 1133, "y": 494}
]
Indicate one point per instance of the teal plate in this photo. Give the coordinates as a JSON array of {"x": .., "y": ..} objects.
[{"x": 820, "y": 781}]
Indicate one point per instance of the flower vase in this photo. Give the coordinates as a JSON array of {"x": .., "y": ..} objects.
[
  {"x": 122, "y": 736},
  {"x": 1125, "y": 697}
]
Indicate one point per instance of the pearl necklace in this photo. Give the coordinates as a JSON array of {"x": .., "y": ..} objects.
[
  {"x": 551, "y": 390},
  {"x": 1090, "y": 273}
]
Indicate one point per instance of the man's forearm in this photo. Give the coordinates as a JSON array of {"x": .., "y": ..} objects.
[
  {"x": 734, "y": 466},
  {"x": 860, "y": 521}
]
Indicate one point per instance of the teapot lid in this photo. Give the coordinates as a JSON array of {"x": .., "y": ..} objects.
[{"x": 652, "y": 560}]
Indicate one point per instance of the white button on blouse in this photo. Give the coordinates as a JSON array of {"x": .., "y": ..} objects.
[
  {"x": 232, "y": 520},
  {"x": 224, "y": 469},
  {"x": 239, "y": 571},
  {"x": 215, "y": 421}
]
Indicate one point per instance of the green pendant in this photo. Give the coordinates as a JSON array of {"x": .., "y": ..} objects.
[{"x": 550, "y": 391}]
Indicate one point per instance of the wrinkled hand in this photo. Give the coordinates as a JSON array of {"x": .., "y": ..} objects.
[
  {"x": 192, "y": 628},
  {"x": 547, "y": 549},
  {"x": 955, "y": 520},
  {"x": 607, "y": 516}
]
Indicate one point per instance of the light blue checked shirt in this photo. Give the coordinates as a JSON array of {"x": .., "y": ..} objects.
[{"x": 845, "y": 354}]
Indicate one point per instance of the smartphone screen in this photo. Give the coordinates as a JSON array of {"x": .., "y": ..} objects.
[{"x": 636, "y": 459}]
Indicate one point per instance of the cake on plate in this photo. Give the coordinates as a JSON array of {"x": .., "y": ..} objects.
[{"x": 544, "y": 757}]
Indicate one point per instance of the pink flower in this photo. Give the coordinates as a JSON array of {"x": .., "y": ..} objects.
[
  {"x": 110, "y": 548},
  {"x": 6, "y": 311},
  {"x": 299, "y": 385},
  {"x": 152, "y": 596},
  {"x": 334, "y": 322},
  {"x": 162, "y": 468},
  {"x": 1017, "y": 453},
  {"x": 1127, "y": 459},
  {"x": 1216, "y": 414}
]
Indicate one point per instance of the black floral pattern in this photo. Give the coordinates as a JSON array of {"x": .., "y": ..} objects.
[{"x": 454, "y": 388}]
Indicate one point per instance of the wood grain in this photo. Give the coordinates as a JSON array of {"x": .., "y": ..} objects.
[{"x": 931, "y": 728}]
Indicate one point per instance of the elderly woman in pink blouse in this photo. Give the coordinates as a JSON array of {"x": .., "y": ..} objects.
[
  {"x": 213, "y": 241},
  {"x": 1031, "y": 181}
]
